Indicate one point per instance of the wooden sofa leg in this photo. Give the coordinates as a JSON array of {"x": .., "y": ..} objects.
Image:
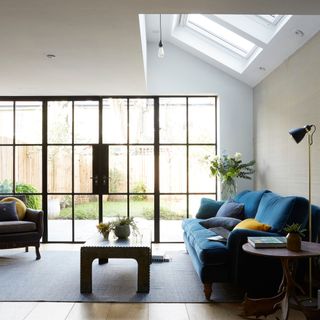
[
  {"x": 207, "y": 290},
  {"x": 27, "y": 249},
  {"x": 38, "y": 253}
]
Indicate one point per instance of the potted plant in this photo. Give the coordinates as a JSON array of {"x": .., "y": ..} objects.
[
  {"x": 227, "y": 169},
  {"x": 295, "y": 232},
  {"x": 105, "y": 228},
  {"x": 122, "y": 227}
]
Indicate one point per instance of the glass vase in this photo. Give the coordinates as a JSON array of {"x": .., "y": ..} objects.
[{"x": 228, "y": 189}]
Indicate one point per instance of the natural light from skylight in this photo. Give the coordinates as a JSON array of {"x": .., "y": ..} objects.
[
  {"x": 223, "y": 36},
  {"x": 271, "y": 18}
]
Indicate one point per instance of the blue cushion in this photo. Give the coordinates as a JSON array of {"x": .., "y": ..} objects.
[
  {"x": 8, "y": 211},
  {"x": 231, "y": 209},
  {"x": 224, "y": 222},
  {"x": 251, "y": 200},
  {"x": 275, "y": 210},
  {"x": 208, "y": 208}
]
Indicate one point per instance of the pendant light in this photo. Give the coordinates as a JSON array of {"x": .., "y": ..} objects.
[{"x": 160, "y": 50}]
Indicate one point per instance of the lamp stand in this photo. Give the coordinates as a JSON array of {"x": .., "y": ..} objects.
[{"x": 310, "y": 210}]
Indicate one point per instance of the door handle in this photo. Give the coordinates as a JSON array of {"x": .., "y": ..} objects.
[
  {"x": 104, "y": 180},
  {"x": 95, "y": 179}
]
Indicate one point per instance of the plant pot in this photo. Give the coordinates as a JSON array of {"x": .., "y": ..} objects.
[
  {"x": 293, "y": 242},
  {"x": 122, "y": 231},
  {"x": 105, "y": 235}
]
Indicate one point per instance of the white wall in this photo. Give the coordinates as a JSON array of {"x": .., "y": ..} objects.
[
  {"x": 289, "y": 98},
  {"x": 181, "y": 73}
]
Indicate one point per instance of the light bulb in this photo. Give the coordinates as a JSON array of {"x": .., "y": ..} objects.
[{"x": 160, "y": 50}]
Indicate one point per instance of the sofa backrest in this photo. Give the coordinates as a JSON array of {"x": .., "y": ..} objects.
[
  {"x": 279, "y": 211},
  {"x": 251, "y": 200}
]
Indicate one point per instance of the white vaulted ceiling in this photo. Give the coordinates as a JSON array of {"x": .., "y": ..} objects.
[{"x": 97, "y": 43}]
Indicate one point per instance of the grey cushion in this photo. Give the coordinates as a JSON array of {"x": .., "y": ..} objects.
[
  {"x": 8, "y": 211},
  {"x": 16, "y": 226},
  {"x": 225, "y": 222},
  {"x": 231, "y": 209}
]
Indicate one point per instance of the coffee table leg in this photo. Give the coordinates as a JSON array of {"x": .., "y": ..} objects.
[
  {"x": 143, "y": 274},
  {"x": 85, "y": 274}
]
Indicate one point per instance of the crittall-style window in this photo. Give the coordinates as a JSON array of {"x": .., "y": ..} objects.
[{"x": 90, "y": 159}]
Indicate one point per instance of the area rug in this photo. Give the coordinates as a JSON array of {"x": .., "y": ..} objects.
[{"x": 56, "y": 277}]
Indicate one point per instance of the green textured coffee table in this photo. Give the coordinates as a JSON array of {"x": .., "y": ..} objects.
[{"x": 138, "y": 248}]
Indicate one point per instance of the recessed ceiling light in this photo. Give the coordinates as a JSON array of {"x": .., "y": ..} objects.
[
  {"x": 299, "y": 33},
  {"x": 262, "y": 68},
  {"x": 50, "y": 56}
]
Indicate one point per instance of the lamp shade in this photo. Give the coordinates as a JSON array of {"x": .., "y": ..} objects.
[{"x": 298, "y": 134}]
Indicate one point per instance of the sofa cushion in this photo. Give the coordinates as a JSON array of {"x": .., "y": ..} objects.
[
  {"x": 16, "y": 226},
  {"x": 8, "y": 211},
  {"x": 208, "y": 252},
  {"x": 208, "y": 208},
  {"x": 231, "y": 209},
  {"x": 20, "y": 206},
  {"x": 252, "y": 224},
  {"x": 225, "y": 222},
  {"x": 275, "y": 210},
  {"x": 251, "y": 200}
]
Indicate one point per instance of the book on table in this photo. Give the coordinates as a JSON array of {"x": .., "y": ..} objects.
[{"x": 268, "y": 242}]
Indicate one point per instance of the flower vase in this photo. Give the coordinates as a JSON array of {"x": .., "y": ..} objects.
[
  {"x": 228, "y": 189},
  {"x": 105, "y": 235}
]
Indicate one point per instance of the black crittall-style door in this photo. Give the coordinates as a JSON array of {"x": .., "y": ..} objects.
[{"x": 90, "y": 159}]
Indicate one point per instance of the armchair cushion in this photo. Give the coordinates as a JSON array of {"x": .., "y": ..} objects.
[
  {"x": 8, "y": 211},
  {"x": 208, "y": 208},
  {"x": 20, "y": 206},
  {"x": 16, "y": 227}
]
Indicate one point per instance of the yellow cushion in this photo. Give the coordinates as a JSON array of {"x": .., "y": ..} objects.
[
  {"x": 252, "y": 224},
  {"x": 21, "y": 207}
]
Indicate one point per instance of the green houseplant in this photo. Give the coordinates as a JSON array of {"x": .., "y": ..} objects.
[
  {"x": 228, "y": 169},
  {"x": 294, "y": 234},
  {"x": 105, "y": 228},
  {"x": 122, "y": 227}
]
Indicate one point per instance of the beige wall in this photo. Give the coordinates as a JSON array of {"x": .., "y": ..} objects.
[{"x": 288, "y": 98}]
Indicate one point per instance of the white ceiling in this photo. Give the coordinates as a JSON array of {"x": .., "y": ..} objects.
[{"x": 97, "y": 43}]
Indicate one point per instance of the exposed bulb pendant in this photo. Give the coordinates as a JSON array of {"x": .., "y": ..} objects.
[{"x": 160, "y": 50}]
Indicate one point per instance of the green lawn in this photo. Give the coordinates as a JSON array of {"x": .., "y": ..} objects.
[{"x": 144, "y": 209}]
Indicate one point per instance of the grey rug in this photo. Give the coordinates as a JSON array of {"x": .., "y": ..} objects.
[{"x": 56, "y": 277}]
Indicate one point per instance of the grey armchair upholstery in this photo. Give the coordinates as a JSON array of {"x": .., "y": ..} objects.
[{"x": 25, "y": 233}]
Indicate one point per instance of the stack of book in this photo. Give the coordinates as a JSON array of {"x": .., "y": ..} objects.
[{"x": 268, "y": 242}]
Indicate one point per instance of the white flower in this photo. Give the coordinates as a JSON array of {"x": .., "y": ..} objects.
[
  {"x": 237, "y": 155},
  {"x": 215, "y": 158}
]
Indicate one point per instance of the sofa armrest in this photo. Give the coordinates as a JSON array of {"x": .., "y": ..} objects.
[
  {"x": 35, "y": 216},
  {"x": 236, "y": 239}
]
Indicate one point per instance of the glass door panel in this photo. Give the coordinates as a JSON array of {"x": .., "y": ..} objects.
[
  {"x": 6, "y": 169},
  {"x": 173, "y": 120},
  {"x": 141, "y": 169},
  {"x": 117, "y": 169},
  {"x": 141, "y": 120},
  {"x": 59, "y": 217},
  {"x": 114, "y": 117},
  {"x": 59, "y": 169},
  {"x": 86, "y": 216},
  {"x": 6, "y": 122},
  {"x": 82, "y": 169},
  {"x": 28, "y": 168},
  {"x": 59, "y": 122},
  {"x": 114, "y": 205},
  {"x": 173, "y": 169},
  {"x": 28, "y": 122},
  {"x": 86, "y": 122}
]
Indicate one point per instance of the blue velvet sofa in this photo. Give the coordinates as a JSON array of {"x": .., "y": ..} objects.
[{"x": 226, "y": 262}]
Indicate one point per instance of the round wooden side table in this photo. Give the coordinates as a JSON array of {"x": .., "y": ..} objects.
[{"x": 266, "y": 306}]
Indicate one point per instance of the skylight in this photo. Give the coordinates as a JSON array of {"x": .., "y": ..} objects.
[
  {"x": 270, "y": 18},
  {"x": 221, "y": 35}
]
